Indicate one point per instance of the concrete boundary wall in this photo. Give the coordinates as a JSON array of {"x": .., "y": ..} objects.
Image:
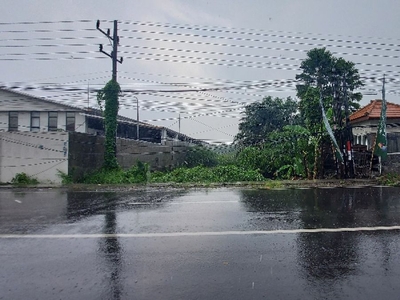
[
  {"x": 392, "y": 164},
  {"x": 39, "y": 155},
  {"x": 87, "y": 153}
]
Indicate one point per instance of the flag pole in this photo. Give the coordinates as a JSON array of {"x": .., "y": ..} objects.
[{"x": 380, "y": 144}]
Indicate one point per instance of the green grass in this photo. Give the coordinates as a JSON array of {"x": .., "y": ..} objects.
[{"x": 23, "y": 179}]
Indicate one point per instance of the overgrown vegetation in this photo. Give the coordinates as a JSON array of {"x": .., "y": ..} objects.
[
  {"x": 23, "y": 178},
  {"x": 65, "y": 178},
  {"x": 201, "y": 156},
  {"x": 277, "y": 138},
  {"x": 287, "y": 139},
  {"x": 203, "y": 174},
  {"x": 109, "y": 94},
  {"x": 390, "y": 179},
  {"x": 206, "y": 167},
  {"x": 136, "y": 174}
]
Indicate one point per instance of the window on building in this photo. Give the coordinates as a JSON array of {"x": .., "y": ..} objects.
[
  {"x": 53, "y": 119},
  {"x": 13, "y": 121},
  {"x": 35, "y": 121},
  {"x": 70, "y": 123}
]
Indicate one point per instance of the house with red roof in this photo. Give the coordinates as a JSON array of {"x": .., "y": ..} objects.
[{"x": 365, "y": 122}]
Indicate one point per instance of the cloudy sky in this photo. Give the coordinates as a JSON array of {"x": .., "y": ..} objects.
[{"x": 236, "y": 52}]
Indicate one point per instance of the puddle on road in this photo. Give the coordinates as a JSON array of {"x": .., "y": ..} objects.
[
  {"x": 213, "y": 209},
  {"x": 323, "y": 259}
]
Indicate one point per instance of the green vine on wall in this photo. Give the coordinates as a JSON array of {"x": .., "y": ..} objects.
[{"x": 109, "y": 94}]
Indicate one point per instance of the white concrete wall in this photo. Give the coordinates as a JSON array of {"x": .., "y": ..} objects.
[
  {"x": 37, "y": 154},
  {"x": 24, "y": 121}
]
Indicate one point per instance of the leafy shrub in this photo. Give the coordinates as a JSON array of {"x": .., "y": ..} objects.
[
  {"x": 206, "y": 175},
  {"x": 286, "y": 153},
  {"x": 200, "y": 156},
  {"x": 390, "y": 179},
  {"x": 65, "y": 178},
  {"x": 136, "y": 174},
  {"x": 226, "y": 159},
  {"x": 23, "y": 178},
  {"x": 255, "y": 158}
]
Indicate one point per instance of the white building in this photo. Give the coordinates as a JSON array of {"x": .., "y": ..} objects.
[
  {"x": 22, "y": 112},
  {"x": 34, "y": 134}
]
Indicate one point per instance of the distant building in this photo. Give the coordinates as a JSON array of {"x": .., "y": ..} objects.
[
  {"x": 42, "y": 138},
  {"x": 23, "y": 112},
  {"x": 365, "y": 122}
]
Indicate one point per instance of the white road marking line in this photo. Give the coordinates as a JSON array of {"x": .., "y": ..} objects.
[
  {"x": 180, "y": 203},
  {"x": 18, "y": 201},
  {"x": 188, "y": 234},
  {"x": 261, "y": 257},
  {"x": 204, "y": 202}
]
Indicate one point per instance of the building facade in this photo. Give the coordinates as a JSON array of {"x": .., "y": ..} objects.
[
  {"x": 365, "y": 123},
  {"x": 39, "y": 137}
]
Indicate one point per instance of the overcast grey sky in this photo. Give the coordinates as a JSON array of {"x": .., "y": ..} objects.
[{"x": 251, "y": 49}]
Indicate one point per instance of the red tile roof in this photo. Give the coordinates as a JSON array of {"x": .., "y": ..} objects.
[{"x": 373, "y": 111}]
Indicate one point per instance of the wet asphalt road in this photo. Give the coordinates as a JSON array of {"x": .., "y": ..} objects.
[{"x": 226, "y": 243}]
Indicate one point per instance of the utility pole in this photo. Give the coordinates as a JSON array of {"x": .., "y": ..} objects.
[
  {"x": 348, "y": 145},
  {"x": 115, "y": 41},
  {"x": 110, "y": 96},
  {"x": 137, "y": 117},
  {"x": 179, "y": 124}
]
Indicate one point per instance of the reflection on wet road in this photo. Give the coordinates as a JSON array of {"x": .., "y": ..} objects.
[{"x": 227, "y": 243}]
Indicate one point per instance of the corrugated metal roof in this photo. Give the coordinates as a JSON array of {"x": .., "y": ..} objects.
[{"x": 3, "y": 88}]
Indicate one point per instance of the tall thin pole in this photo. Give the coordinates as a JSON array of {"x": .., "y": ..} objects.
[
  {"x": 383, "y": 104},
  {"x": 137, "y": 118},
  {"x": 115, "y": 51},
  {"x": 179, "y": 126},
  {"x": 379, "y": 127},
  {"x": 348, "y": 134}
]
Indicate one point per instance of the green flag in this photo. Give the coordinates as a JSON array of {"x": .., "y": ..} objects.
[{"x": 381, "y": 140}]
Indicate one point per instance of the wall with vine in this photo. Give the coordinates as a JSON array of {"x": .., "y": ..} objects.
[{"x": 109, "y": 94}]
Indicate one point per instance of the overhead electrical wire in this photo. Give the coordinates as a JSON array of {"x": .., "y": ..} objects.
[
  {"x": 201, "y": 43},
  {"x": 254, "y": 47},
  {"x": 204, "y": 52},
  {"x": 207, "y": 102},
  {"x": 206, "y": 27},
  {"x": 49, "y": 22},
  {"x": 223, "y": 30},
  {"x": 224, "y": 37},
  {"x": 239, "y": 39},
  {"x": 249, "y": 62},
  {"x": 69, "y": 30}
]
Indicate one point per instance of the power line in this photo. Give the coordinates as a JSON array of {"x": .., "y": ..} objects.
[
  {"x": 239, "y": 39},
  {"x": 207, "y": 27},
  {"x": 48, "y": 22},
  {"x": 246, "y": 46},
  {"x": 68, "y": 30}
]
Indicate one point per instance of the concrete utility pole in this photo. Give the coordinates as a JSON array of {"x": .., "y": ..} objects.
[
  {"x": 179, "y": 125},
  {"x": 137, "y": 117},
  {"x": 348, "y": 136},
  {"x": 115, "y": 42}
]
